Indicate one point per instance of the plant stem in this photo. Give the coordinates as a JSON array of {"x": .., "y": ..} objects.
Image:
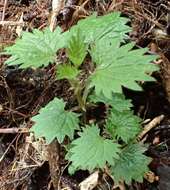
[
  {"x": 79, "y": 98},
  {"x": 54, "y": 163},
  {"x": 86, "y": 91},
  {"x": 78, "y": 93}
]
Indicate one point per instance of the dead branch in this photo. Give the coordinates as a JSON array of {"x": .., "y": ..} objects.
[
  {"x": 57, "y": 5},
  {"x": 12, "y": 23},
  {"x": 14, "y": 130},
  {"x": 150, "y": 126},
  {"x": 4, "y": 8},
  {"x": 54, "y": 163}
]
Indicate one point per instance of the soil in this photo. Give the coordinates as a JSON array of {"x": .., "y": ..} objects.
[{"x": 24, "y": 91}]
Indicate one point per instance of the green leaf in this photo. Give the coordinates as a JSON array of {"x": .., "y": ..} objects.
[
  {"x": 95, "y": 27},
  {"x": 54, "y": 122},
  {"x": 123, "y": 125},
  {"x": 77, "y": 49},
  {"x": 91, "y": 151},
  {"x": 66, "y": 71},
  {"x": 101, "y": 47},
  {"x": 132, "y": 164},
  {"x": 117, "y": 67},
  {"x": 35, "y": 49},
  {"x": 117, "y": 101},
  {"x": 103, "y": 81}
]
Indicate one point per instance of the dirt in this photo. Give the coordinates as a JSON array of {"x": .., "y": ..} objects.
[{"x": 24, "y": 91}]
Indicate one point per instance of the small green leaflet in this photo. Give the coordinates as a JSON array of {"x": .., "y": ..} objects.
[
  {"x": 54, "y": 122},
  {"x": 91, "y": 151},
  {"x": 95, "y": 27},
  {"x": 103, "y": 81},
  {"x": 117, "y": 67},
  {"x": 117, "y": 101},
  {"x": 77, "y": 49},
  {"x": 100, "y": 48},
  {"x": 35, "y": 49},
  {"x": 123, "y": 125},
  {"x": 132, "y": 164},
  {"x": 66, "y": 71}
]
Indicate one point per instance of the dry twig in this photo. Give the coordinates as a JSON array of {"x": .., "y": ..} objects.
[
  {"x": 150, "y": 126},
  {"x": 57, "y": 5},
  {"x": 4, "y": 8},
  {"x": 54, "y": 163},
  {"x": 13, "y": 130},
  {"x": 12, "y": 23}
]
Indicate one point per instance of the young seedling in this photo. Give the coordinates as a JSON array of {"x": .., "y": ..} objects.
[{"x": 112, "y": 64}]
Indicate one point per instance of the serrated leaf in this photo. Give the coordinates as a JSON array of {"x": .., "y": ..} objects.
[
  {"x": 35, "y": 49},
  {"x": 120, "y": 67},
  {"x": 72, "y": 169},
  {"x": 66, "y": 71},
  {"x": 77, "y": 49},
  {"x": 95, "y": 27},
  {"x": 123, "y": 125},
  {"x": 54, "y": 122},
  {"x": 132, "y": 164},
  {"x": 117, "y": 101},
  {"x": 91, "y": 151},
  {"x": 100, "y": 47}
]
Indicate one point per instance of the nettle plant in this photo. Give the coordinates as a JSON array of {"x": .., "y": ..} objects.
[{"x": 112, "y": 64}]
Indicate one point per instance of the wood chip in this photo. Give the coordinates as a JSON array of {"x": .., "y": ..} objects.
[{"x": 90, "y": 182}]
